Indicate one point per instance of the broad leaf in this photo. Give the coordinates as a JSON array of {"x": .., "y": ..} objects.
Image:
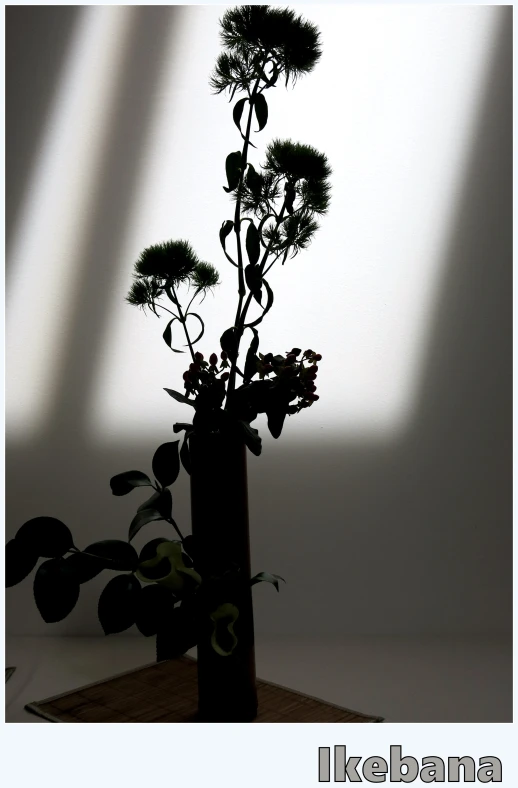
[
  {"x": 251, "y": 357},
  {"x": 266, "y": 577},
  {"x": 141, "y": 519},
  {"x": 167, "y": 335},
  {"x": 83, "y": 567},
  {"x": 251, "y": 438},
  {"x": 154, "y": 608},
  {"x": 261, "y": 110},
  {"x": 118, "y": 604},
  {"x": 166, "y": 463},
  {"x": 238, "y": 112},
  {"x": 233, "y": 170},
  {"x": 19, "y": 562},
  {"x": 226, "y": 229},
  {"x": 229, "y": 344},
  {"x": 45, "y": 536},
  {"x": 149, "y": 550},
  {"x": 180, "y": 397},
  {"x": 125, "y": 482},
  {"x": 253, "y": 244},
  {"x": 115, "y": 554},
  {"x": 55, "y": 591}
]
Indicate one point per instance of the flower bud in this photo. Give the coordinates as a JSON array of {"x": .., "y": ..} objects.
[
  {"x": 186, "y": 376},
  {"x": 224, "y": 355},
  {"x": 194, "y": 368},
  {"x": 198, "y": 356},
  {"x": 311, "y": 387},
  {"x": 225, "y": 376},
  {"x": 213, "y": 359},
  {"x": 308, "y": 352},
  {"x": 291, "y": 359},
  {"x": 312, "y": 397}
]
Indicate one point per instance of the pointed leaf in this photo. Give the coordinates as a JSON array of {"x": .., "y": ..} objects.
[
  {"x": 228, "y": 343},
  {"x": 167, "y": 335},
  {"x": 253, "y": 244},
  {"x": 233, "y": 170},
  {"x": 118, "y": 604},
  {"x": 55, "y": 591},
  {"x": 238, "y": 111},
  {"x": 166, "y": 463},
  {"x": 125, "y": 482},
  {"x": 114, "y": 554},
  {"x": 266, "y": 577},
  {"x": 19, "y": 562},
  {"x": 251, "y": 357},
  {"x": 45, "y": 536},
  {"x": 267, "y": 308},
  {"x": 276, "y": 416},
  {"x": 254, "y": 281},
  {"x": 261, "y": 111},
  {"x": 226, "y": 229},
  {"x": 180, "y": 398},
  {"x": 143, "y": 518},
  {"x": 193, "y": 341}
]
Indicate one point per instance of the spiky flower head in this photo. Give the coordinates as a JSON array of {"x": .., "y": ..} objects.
[
  {"x": 295, "y": 161},
  {"x": 204, "y": 276},
  {"x": 173, "y": 261},
  {"x": 257, "y": 34},
  {"x": 143, "y": 293}
]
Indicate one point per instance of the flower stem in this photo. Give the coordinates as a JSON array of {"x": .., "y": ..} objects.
[{"x": 183, "y": 320}]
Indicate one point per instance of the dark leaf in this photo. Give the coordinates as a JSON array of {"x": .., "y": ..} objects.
[
  {"x": 233, "y": 170},
  {"x": 179, "y": 398},
  {"x": 143, "y": 518},
  {"x": 251, "y": 438},
  {"x": 266, "y": 577},
  {"x": 253, "y": 244},
  {"x": 155, "y": 606},
  {"x": 253, "y": 180},
  {"x": 19, "y": 562},
  {"x": 276, "y": 416},
  {"x": 125, "y": 482},
  {"x": 149, "y": 550},
  {"x": 83, "y": 567},
  {"x": 226, "y": 229},
  {"x": 166, "y": 463},
  {"x": 55, "y": 590},
  {"x": 168, "y": 336},
  {"x": 254, "y": 281},
  {"x": 251, "y": 357},
  {"x": 229, "y": 344},
  {"x": 118, "y": 604},
  {"x": 267, "y": 308},
  {"x": 115, "y": 554},
  {"x": 238, "y": 111},
  {"x": 45, "y": 536},
  {"x": 193, "y": 341},
  {"x": 261, "y": 110},
  {"x": 180, "y": 426},
  {"x": 176, "y": 636}
]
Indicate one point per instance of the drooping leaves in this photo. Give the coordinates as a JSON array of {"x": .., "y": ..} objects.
[
  {"x": 114, "y": 554},
  {"x": 228, "y": 343},
  {"x": 125, "y": 482},
  {"x": 194, "y": 314},
  {"x": 118, "y": 604},
  {"x": 226, "y": 229},
  {"x": 154, "y": 608},
  {"x": 254, "y": 281},
  {"x": 253, "y": 244},
  {"x": 45, "y": 536},
  {"x": 269, "y": 303},
  {"x": 55, "y": 590},
  {"x": 166, "y": 463},
  {"x": 167, "y": 335},
  {"x": 261, "y": 110},
  {"x": 266, "y": 577},
  {"x": 141, "y": 519},
  {"x": 251, "y": 437},
  {"x": 158, "y": 507},
  {"x": 180, "y": 398},
  {"x": 251, "y": 357},
  {"x": 276, "y": 416},
  {"x": 233, "y": 170},
  {"x": 238, "y": 112},
  {"x": 19, "y": 562},
  {"x": 83, "y": 567}
]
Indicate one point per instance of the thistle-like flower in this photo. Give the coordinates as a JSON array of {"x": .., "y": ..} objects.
[{"x": 172, "y": 260}]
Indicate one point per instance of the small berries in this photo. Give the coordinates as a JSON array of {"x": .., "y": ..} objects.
[
  {"x": 187, "y": 377},
  {"x": 224, "y": 355},
  {"x": 198, "y": 356},
  {"x": 225, "y": 376},
  {"x": 213, "y": 359},
  {"x": 318, "y": 357},
  {"x": 194, "y": 368}
]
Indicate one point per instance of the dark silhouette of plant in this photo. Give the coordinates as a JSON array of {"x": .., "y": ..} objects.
[{"x": 275, "y": 212}]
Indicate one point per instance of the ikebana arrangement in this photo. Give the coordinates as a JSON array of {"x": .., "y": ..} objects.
[{"x": 195, "y": 590}]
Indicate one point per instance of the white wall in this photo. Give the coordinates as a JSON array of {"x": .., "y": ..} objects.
[{"x": 387, "y": 506}]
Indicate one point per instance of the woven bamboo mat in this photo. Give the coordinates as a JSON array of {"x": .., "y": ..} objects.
[{"x": 168, "y": 692}]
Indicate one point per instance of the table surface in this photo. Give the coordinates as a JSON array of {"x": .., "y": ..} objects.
[{"x": 400, "y": 678}]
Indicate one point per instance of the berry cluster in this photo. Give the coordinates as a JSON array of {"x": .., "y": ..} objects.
[
  {"x": 202, "y": 373},
  {"x": 292, "y": 370}
]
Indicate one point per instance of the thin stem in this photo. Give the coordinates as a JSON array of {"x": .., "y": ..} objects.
[
  {"x": 166, "y": 309},
  {"x": 183, "y": 321}
]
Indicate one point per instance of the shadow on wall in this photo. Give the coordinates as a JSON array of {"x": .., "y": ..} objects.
[{"x": 411, "y": 535}]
